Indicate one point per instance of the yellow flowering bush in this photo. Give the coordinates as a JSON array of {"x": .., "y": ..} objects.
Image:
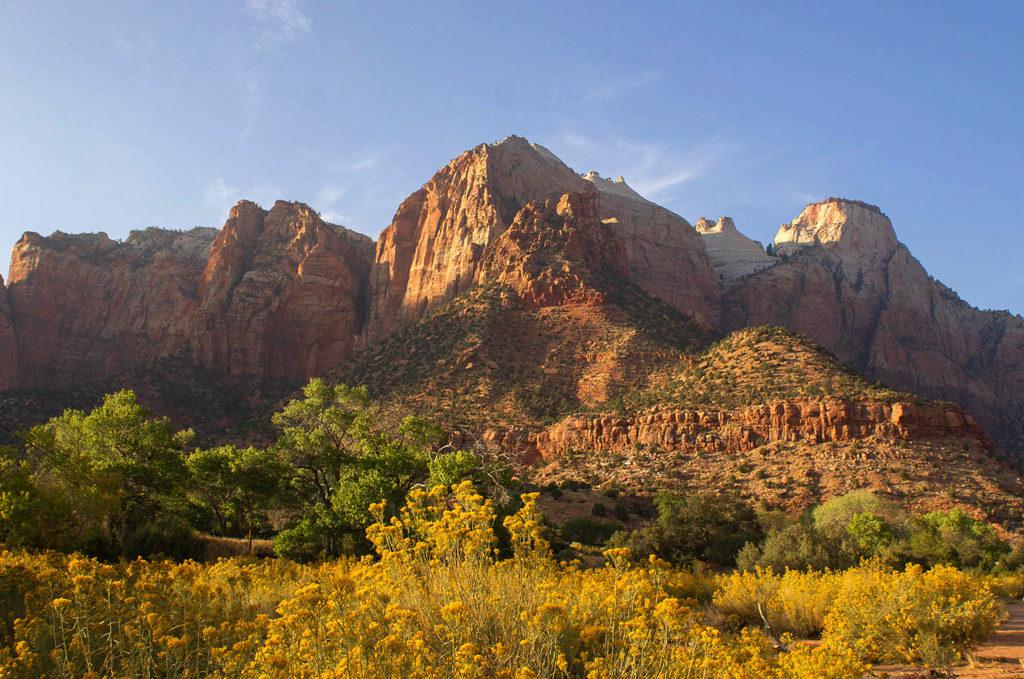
[
  {"x": 439, "y": 603},
  {"x": 795, "y": 602},
  {"x": 933, "y": 616}
]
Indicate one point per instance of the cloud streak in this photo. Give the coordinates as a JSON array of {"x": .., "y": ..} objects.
[
  {"x": 279, "y": 22},
  {"x": 614, "y": 88},
  {"x": 659, "y": 172}
]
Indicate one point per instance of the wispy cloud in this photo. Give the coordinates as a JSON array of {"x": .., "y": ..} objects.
[
  {"x": 361, "y": 188},
  {"x": 659, "y": 172},
  {"x": 251, "y": 105},
  {"x": 609, "y": 88},
  {"x": 278, "y": 21},
  {"x": 219, "y": 196}
]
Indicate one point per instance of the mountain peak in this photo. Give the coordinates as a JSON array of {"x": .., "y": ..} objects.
[
  {"x": 845, "y": 227},
  {"x": 731, "y": 253},
  {"x": 618, "y": 187}
]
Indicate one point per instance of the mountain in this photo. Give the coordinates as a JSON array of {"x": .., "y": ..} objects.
[
  {"x": 604, "y": 292},
  {"x": 844, "y": 280},
  {"x": 434, "y": 247},
  {"x": 278, "y": 294}
]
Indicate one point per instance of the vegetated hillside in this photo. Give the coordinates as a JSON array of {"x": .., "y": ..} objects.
[
  {"x": 755, "y": 366},
  {"x": 486, "y": 360},
  {"x": 629, "y": 394}
]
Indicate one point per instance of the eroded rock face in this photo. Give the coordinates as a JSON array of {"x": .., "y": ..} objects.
[
  {"x": 8, "y": 342},
  {"x": 435, "y": 245},
  {"x": 549, "y": 254},
  {"x": 749, "y": 428},
  {"x": 281, "y": 294},
  {"x": 731, "y": 253},
  {"x": 433, "y": 248},
  {"x": 849, "y": 285},
  {"x": 275, "y": 294},
  {"x": 85, "y": 307}
]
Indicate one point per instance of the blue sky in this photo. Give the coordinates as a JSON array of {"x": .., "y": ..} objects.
[{"x": 122, "y": 115}]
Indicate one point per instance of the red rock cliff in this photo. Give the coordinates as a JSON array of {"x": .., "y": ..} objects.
[
  {"x": 281, "y": 294},
  {"x": 8, "y": 342},
  {"x": 276, "y": 294},
  {"x": 849, "y": 285},
  {"x": 85, "y": 307},
  {"x": 435, "y": 245},
  {"x": 745, "y": 429}
]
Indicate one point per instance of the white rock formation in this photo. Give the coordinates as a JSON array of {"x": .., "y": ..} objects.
[
  {"x": 731, "y": 253},
  {"x": 619, "y": 187}
]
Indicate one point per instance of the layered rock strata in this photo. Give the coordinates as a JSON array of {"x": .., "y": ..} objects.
[
  {"x": 736, "y": 431},
  {"x": 846, "y": 282},
  {"x": 749, "y": 428},
  {"x": 438, "y": 239},
  {"x": 731, "y": 253},
  {"x": 274, "y": 294}
]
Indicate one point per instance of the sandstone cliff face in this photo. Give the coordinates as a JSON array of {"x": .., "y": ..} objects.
[
  {"x": 749, "y": 428},
  {"x": 550, "y": 252},
  {"x": 275, "y": 294},
  {"x": 434, "y": 247},
  {"x": 282, "y": 294},
  {"x": 731, "y": 253},
  {"x": 849, "y": 285},
  {"x": 85, "y": 307},
  {"x": 8, "y": 342}
]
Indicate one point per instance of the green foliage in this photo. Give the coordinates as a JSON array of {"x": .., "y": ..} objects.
[
  {"x": 871, "y": 532},
  {"x": 956, "y": 538},
  {"x": 342, "y": 461},
  {"x": 451, "y": 468},
  {"x": 839, "y": 511},
  {"x": 237, "y": 486},
  {"x": 98, "y": 477},
  {"x": 588, "y": 531},
  {"x": 704, "y": 526}
]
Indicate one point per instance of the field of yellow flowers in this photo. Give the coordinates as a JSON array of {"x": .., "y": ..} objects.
[{"x": 439, "y": 603}]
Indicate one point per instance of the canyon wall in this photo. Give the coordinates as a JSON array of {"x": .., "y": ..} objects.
[
  {"x": 274, "y": 294},
  {"x": 844, "y": 281}
]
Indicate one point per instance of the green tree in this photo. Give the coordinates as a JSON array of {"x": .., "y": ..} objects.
[
  {"x": 704, "y": 526},
  {"x": 112, "y": 470},
  {"x": 237, "y": 486},
  {"x": 342, "y": 461}
]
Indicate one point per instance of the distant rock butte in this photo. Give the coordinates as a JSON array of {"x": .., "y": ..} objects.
[
  {"x": 273, "y": 294},
  {"x": 850, "y": 286},
  {"x": 731, "y": 253}
]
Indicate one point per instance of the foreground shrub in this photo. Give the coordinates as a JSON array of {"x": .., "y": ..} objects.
[
  {"x": 932, "y": 616},
  {"x": 795, "y": 602},
  {"x": 437, "y": 604}
]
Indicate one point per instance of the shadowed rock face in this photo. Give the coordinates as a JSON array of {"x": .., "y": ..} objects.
[
  {"x": 281, "y": 295},
  {"x": 8, "y": 342},
  {"x": 849, "y": 285},
  {"x": 85, "y": 307},
  {"x": 275, "y": 294}
]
